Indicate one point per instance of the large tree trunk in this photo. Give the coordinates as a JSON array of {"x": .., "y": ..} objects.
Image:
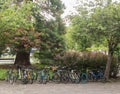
[
  {"x": 22, "y": 58},
  {"x": 107, "y": 70}
]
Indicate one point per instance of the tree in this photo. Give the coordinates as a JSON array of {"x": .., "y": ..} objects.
[
  {"x": 79, "y": 33},
  {"x": 101, "y": 25},
  {"x": 18, "y": 29},
  {"x": 4, "y": 26},
  {"x": 52, "y": 30},
  {"x": 105, "y": 23}
]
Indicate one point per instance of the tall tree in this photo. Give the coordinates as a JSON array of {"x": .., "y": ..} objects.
[
  {"x": 102, "y": 24},
  {"x": 105, "y": 23},
  {"x": 52, "y": 30}
]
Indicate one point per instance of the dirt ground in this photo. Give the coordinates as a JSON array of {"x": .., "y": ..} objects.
[{"x": 51, "y": 88}]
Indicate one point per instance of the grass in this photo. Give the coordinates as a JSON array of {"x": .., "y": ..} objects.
[{"x": 3, "y": 74}]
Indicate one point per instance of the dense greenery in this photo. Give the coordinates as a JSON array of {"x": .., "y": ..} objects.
[
  {"x": 26, "y": 25},
  {"x": 52, "y": 31},
  {"x": 17, "y": 28},
  {"x": 87, "y": 60},
  {"x": 96, "y": 27}
]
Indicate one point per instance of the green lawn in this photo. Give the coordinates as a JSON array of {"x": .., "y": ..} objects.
[{"x": 3, "y": 74}]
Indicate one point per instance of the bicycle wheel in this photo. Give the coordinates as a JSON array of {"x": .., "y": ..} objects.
[
  {"x": 84, "y": 78},
  {"x": 39, "y": 80},
  {"x": 11, "y": 78},
  {"x": 11, "y": 81},
  {"x": 56, "y": 78},
  {"x": 65, "y": 79},
  {"x": 25, "y": 81},
  {"x": 31, "y": 81},
  {"x": 77, "y": 79},
  {"x": 44, "y": 81},
  {"x": 91, "y": 77}
]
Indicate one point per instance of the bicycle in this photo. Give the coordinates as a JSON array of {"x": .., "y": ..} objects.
[
  {"x": 91, "y": 76},
  {"x": 27, "y": 76},
  {"x": 74, "y": 76},
  {"x": 42, "y": 76},
  {"x": 11, "y": 76},
  {"x": 57, "y": 76}
]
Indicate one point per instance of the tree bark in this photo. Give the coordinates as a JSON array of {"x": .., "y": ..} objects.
[
  {"x": 107, "y": 70},
  {"x": 22, "y": 58}
]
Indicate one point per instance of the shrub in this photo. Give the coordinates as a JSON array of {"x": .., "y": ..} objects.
[{"x": 86, "y": 60}]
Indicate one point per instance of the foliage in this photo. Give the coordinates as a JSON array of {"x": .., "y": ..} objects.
[
  {"x": 98, "y": 22},
  {"x": 77, "y": 35},
  {"x": 17, "y": 27},
  {"x": 105, "y": 23},
  {"x": 87, "y": 60},
  {"x": 51, "y": 30}
]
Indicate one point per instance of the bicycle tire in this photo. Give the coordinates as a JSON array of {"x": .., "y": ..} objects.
[
  {"x": 56, "y": 78},
  {"x": 84, "y": 78}
]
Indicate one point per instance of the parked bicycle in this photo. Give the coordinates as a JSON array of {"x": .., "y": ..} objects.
[
  {"x": 42, "y": 76},
  {"x": 27, "y": 76},
  {"x": 95, "y": 75},
  {"x": 11, "y": 76}
]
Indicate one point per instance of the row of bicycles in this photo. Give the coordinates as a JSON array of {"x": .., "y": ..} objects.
[
  {"x": 25, "y": 75},
  {"x": 43, "y": 76}
]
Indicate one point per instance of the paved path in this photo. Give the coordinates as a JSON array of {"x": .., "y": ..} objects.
[{"x": 51, "y": 88}]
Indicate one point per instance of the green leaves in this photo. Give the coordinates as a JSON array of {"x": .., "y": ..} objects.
[
  {"x": 79, "y": 37},
  {"x": 16, "y": 25},
  {"x": 56, "y": 7},
  {"x": 52, "y": 30},
  {"x": 98, "y": 25}
]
